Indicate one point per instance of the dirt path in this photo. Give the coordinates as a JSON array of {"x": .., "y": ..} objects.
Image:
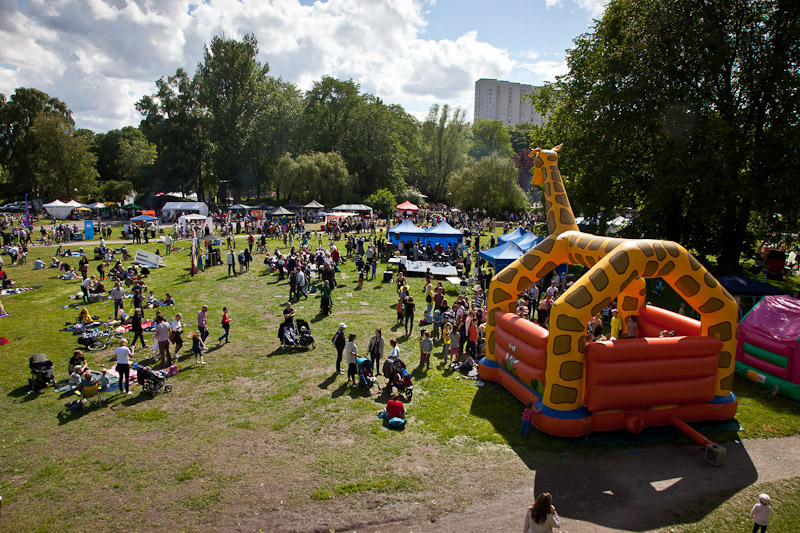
[{"x": 626, "y": 490}]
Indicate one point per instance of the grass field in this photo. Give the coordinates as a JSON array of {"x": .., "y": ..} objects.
[{"x": 259, "y": 438}]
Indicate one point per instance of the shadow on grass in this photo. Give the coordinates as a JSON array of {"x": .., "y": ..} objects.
[
  {"x": 328, "y": 381},
  {"x": 351, "y": 390}
]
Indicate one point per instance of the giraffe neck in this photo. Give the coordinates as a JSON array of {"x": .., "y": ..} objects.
[{"x": 559, "y": 211}]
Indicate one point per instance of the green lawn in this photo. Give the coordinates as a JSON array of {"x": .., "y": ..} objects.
[{"x": 257, "y": 437}]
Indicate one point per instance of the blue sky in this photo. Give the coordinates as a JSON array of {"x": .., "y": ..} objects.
[{"x": 101, "y": 56}]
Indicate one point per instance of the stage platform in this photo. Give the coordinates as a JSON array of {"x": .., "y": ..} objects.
[{"x": 438, "y": 270}]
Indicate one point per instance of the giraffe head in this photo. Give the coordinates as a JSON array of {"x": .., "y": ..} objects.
[{"x": 543, "y": 159}]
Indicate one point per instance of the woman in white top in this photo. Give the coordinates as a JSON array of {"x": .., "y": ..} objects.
[
  {"x": 541, "y": 517},
  {"x": 351, "y": 356},
  {"x": 177, "y": 329},
  {"x": 123, "y": 354}
]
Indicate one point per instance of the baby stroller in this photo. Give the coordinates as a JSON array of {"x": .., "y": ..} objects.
[
  {"x": 41, "y": 372},
  {"x": 395, "y": 371},
  {"x": 304, "y": 334},
  {"x": 287, "y": 333},
  {"x": 365, "y": 377},
  {"x": 152, "y": 380}
]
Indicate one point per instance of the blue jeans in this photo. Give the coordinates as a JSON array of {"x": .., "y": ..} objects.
[
  {"x": 227, "y": 328},
  {"x": 525, "y": 430}
]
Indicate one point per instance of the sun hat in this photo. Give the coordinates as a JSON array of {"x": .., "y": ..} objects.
[
  {"x": 764, "y": 498},
  {"x": 342, "y": 325}
]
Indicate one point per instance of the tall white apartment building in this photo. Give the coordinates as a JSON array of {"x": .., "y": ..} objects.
[{"x": 504, "y": 101}]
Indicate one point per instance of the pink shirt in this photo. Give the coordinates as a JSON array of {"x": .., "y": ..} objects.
[{"x": 201, "y": 320}]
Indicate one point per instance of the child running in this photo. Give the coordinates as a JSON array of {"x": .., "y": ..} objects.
[
  {"x": 226, "y": 325},
  {"x": 197, "y": 347}
]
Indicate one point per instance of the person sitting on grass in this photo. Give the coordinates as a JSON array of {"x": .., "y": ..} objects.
[
  {"x": 394, "y": 413},
  {"x": 466, "y": 366}
]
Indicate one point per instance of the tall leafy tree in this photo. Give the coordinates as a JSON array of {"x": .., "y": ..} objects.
[
  {"x": 230, "y": 77},
  {"x": 315, "y": 175},
  {"x": 445, "y": 141},
  {"x": 176, "y": 123},
  {"x": 17, "y": 148},
  {"x": 688, "y": 111},
  {"x": 489, "y": 183},
  {"x": 490, "y": 137}
]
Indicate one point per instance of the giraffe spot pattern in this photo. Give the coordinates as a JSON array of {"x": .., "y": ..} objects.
[
  {"x": 650, "y": 268},
  {"x": 628, "y": 281},
  {"x": 709, "y": 279},
  {"x": 599, "y": 307},
  {"x": 611, "y": 244},
  {"x": 590, "y": 261},
  {"x": 571, "y": 370},
  {"x": 569, "y": 323},
  {"x": 695, "y": 264},
  {"x": 646, "y": 249},
  {"x": 551, "y": 157},
  {"x": 687, "y": 285},
  {"x": 560, "y": 394},
  {"x": 726, "y": 383},
  {"x": 507, "y": 275},
  {"x": 524, "y": 284},
  {"x": 557, "y": 185},
  {"x": 643, "y": 291},
  {"x": 490, "y": 343},
  {"x": 660, "y": 252},
  {"x": 551, "y": 221},
  {"x": 546, "y": 245},
  {"x": 572, "y": 240},
  {"x": 562, "y": 344},
  {"x": 669, "y": 267},
  {"x": 582, "y": 343},
  {"x": 672, "y": 249},
  {"x": 725, "y": 359},
  {"x": 599, "y": 280},
  {"x": 583, "y": 242},
  {"x": 596, "y": 244},
  {"x": 561, "y": 199},
  {"x": 530, "y": 260},
  {"x": 545, "y": 269},
  {"x": 571, "y": 259},
  {"x": 726, "y": 294},
  {"x": 629, "y": 303},
  {"x": 499, "y": 295},
  {"x": 712, "y": 305},
  {"x": 490, "y": 318},
  {"x": 723, "y": 331},
  {"x": 620, "y": 261},
  {"x": 566, "y": 217},
  {"x": 538, "y": 162},
  {"x": 578, "y": 297},
  {"x": 547, "y": 189},
  {"x": 579, "y": 260}
]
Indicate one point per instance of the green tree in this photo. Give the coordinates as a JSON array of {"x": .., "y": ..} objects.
[
  {"x": 62, "y": 162},
  {"x": 490, "y": 137},
  {"x": 115, "y": 191},
  {"x": 521, "y": 138},
  {"x": 176, "y": 123},
  {"x": 123, "y": 155},
  {"x": 687, "y": 111},
  {"x": 17, "y": 149},
  {"x": 330, "y": 108},
  {"x": 312, "y": 176},
  {"x": 230, "y": 79},
  {"x": 489, "y": 183},
  {"x": 382, "y": 201},
  {"x": 445, "y": 141}
]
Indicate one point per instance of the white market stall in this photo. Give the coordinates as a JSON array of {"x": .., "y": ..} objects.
[{"x": 172, "y": 210}]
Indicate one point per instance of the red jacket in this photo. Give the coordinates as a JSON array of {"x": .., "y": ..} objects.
[{"x": 395, "y": 409}]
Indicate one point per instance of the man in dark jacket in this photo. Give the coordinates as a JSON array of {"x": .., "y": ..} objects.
[{"x": 339, "y": 342}]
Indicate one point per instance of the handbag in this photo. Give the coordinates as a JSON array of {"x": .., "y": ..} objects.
[{"x": 172, "y": 337}]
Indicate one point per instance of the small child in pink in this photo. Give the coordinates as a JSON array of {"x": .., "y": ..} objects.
[
  {"x": 527, "y": 418},
  {"x": 455, "y": 336},
  {"x": 760, "y": 513}
]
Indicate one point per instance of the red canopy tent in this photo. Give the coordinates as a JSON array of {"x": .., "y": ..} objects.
[{"x": 407, "y": 206}]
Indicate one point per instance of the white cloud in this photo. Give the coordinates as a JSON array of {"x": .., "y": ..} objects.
[
  {"x": 542, "y": 71},
  {"x": 594, "y": 7}
]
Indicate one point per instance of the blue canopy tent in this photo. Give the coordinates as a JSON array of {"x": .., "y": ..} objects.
[
  {"x": 407, "y": 231},
  {"x": 444, "y": 234},
  {"x": 528, "y": 241},
  {"x": 144, "y": 218},
  {"x": 502, "y": 256},
  {"x": 514, "y": 235}
]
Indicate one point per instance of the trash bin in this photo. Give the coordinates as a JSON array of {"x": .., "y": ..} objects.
[{"x": 387, "y": 276}]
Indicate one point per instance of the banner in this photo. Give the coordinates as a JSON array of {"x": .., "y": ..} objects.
[
  {"x": 88, "y": 230},
  {"x": 193, "y": 268},
  {"x": 146, "y": 258}
]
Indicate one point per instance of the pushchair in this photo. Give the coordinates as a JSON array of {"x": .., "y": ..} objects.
[
  {"x": 41, "y": 372},
  {"x": 295, "y": 335},
  {"x": 152, "y": 380},
  {"x": 365, "y": 377},
  {"x": 395, "y": 371},
  {"x": 304, "y": 334}
]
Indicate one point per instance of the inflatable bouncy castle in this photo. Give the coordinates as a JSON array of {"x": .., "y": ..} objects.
[
  {"x": 768, "y": 352},
  {"x": 577, "y": 387}
]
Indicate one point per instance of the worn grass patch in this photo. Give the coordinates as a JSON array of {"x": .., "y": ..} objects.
[{"x": 376, "y": 484}]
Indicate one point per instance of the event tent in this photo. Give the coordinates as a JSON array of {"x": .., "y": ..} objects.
[
  {"x": 97, "y": 205},
  {"x": 514, "y": 235},
  {"x": 172, "y": 208},
  {"x": 502, "y": 256},
  {"x": 281, "y": 212},
  {"x": 313, "y": 204},
  {"x": 406, "y": 231},
  {"x": 528, "y": 241},
  {"x": 58, "y": 209},
  {"x": 74, "y": 203},
  {"x": 144, "y": 218},
  {"x": 358, "y": 208},
  {"x": 239, "y": 207},
  {"x": 444, "y": 234}
]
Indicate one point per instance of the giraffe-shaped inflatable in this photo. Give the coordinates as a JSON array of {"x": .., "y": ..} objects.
[{"x": 627, "y": 383}]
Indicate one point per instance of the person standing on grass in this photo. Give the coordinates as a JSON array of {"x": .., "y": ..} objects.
[
  {"x": 339, "y": 342},
  {"x": 202, "y": 323},
  {"x": 168, "y": 243},
  {"x": 226, "y": 325},
  {"x": 760, "y": 513},
  {"x": 118, "y": 295},
  {"x": 177, "y": 330},
  {"x": 375, "y": 349},
  {"x": 426, "y": 348},
  {"x": 351, "y": 354},
  {"x": 83, "y": 266},
  {"x": 123, "y": 354},
  {"x": 136, "y": 327},
  {"x": 231, "y": 261},
  {"x": 409, "y": 314},
  {"x": 541, "y": 517},
  {"x": 197, "y": 347},
  {"x": 162, "y": 330}
]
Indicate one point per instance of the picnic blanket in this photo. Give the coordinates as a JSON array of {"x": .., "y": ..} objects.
[
  {"x": 9, "y": 292},
  {"x": 4, "y": 314}
]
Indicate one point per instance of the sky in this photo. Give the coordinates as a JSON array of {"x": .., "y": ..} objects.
[{"x": 101, "y": 56}]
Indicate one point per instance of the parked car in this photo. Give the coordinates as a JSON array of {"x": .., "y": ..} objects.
[{"x": 13, "y": 207}]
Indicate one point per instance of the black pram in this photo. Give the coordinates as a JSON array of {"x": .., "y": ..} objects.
[
  {"x": 295, "y": 335},
  {"x": 152, "y": 380},
  {"x": 41, "y": 372},
  {"x": 395, "y": 371}
]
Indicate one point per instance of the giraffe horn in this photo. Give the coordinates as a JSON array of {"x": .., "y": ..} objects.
[
  {"x": 557, "y": 148},
  {"x": 535, "y": 152}
]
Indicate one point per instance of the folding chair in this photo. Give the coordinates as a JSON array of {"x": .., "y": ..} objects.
[{"x": 91, "y": 396}]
